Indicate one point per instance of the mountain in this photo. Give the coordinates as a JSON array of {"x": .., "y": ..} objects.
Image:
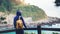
[
  {"x": 31, "y": 11},
  {"x": 27, "y": 10}
]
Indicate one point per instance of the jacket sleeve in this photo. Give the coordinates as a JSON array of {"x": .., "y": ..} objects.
[
  {"x": 14, "y": 23},
  {"x": 23, "y": 22},
  {"x": 15, "y": 19}
]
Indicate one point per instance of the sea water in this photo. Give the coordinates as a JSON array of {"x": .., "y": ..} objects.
[
  {"x": 28, "y": 31},
  {"x": 9, "y": 33},
  {"x": 35, "y": 32},
  {"x": 52, "y": 26},
  {"x": 50, "y": 32}
]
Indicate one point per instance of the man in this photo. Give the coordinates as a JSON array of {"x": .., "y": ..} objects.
[{"x": 19, "y": 31}]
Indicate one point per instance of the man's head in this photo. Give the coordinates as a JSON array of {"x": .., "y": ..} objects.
[{"x": 18, "y": 13}]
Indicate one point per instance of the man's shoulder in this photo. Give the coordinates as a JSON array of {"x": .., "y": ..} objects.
[{"x": 16, "y": 17}]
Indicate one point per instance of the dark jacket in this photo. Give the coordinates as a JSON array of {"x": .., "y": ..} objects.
[{"x": 18, "y": 13}]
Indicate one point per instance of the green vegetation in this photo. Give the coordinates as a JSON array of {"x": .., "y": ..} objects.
[
  {"x": 29, "y": 33},
  {"x": 31, "y": 11},
  {"x": 5, "y": 5},
  {"x": 32, "y": 33},
  {"x": 55, "y": 33},
  {"x": 2, "y": 20},
  {"x": 43, "y": 33},
  {"x": 26, "y": 33},
  {"x": 27, "y": 11}
]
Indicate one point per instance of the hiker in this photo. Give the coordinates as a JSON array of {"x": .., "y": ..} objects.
[{"x": 17, "y": 18}]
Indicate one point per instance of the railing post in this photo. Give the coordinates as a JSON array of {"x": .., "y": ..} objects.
[{"x": 39, "y": 29}]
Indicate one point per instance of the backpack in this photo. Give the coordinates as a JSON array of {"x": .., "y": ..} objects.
[{"x": 19, "y": 23}]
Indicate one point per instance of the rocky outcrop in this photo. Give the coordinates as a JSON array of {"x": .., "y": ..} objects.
[
  {"x": 1, "y": 14},
  {"x": 19, "y": 2}
]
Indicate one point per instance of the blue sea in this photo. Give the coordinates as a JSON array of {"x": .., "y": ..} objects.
[
  {"x": 35, "y": 32},
  {"x": 28, "y": 31}
]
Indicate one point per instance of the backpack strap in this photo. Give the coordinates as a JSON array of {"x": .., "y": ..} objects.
[{"x": 19, "y": 17}]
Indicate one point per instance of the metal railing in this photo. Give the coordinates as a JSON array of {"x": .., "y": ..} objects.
[{"x": 38, "y": 29}]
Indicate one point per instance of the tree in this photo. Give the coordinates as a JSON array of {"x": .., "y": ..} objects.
[
  {"x": 2, "y": 20},
  {"x": 6, "y": 5}
]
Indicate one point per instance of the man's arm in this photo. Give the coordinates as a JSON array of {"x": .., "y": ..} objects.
[
  {"x": 15, "y": 19},
  {"x": 14, "y": 22},
  {"x": 23, "y": 23}
]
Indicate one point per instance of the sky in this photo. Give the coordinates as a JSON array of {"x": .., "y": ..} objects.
[{"x": 47, "y": 5}]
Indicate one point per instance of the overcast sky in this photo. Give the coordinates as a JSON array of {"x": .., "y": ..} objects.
[{"x": 47, "y": 5}]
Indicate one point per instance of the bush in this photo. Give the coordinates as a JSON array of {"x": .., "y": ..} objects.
[
  {"x": 2, "y": 18},
  {"x": 55, "y": 33}
]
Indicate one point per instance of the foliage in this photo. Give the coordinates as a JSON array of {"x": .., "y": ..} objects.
[
  {"x": 30, "y": 11},
  {"x": 55, "y": 33},
  {"x": 32, "y": 33},
  {"x": 5, "y": 5},
  {"x": 43, "y": 33},
  {"x": 29, "y": 33},
  {"x": 5, "y": 22},
  {"x": 26, "y": 33},
  {"x": 2, "y": 18}
]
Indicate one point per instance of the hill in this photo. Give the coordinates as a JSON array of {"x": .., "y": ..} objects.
[
  {"x": 31, "y": 11},
  {"x": 27, "y": 10}
]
